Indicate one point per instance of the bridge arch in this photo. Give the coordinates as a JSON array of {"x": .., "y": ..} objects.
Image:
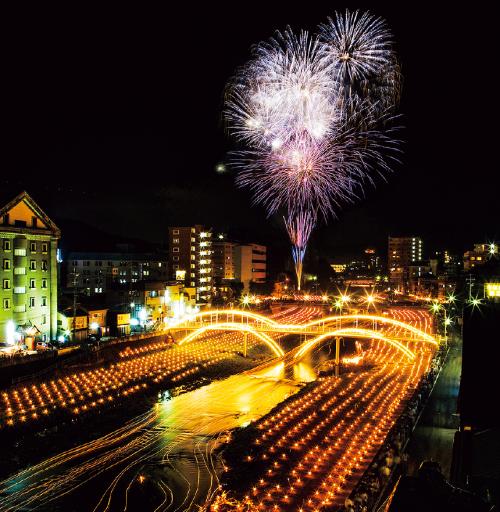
[
  {"x": 249, "y": 318},
  {"x": 309, "y": 345},
  {"x": 278, "y": 351},
  {"x": 376, "y": 318}
]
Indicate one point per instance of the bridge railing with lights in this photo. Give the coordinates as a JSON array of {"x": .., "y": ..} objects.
[{"x": 230, "y": 319}]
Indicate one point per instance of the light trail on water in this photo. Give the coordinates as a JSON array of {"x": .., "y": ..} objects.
[{"x": 162, "y": 460}]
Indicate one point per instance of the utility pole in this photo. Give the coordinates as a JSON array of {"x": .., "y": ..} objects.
[
  {"x": 245, "y": 343},
  {"x": 75, "y": 295},
  {"x": 470, "y": 280},
  {"x": 337, "y": 354}
]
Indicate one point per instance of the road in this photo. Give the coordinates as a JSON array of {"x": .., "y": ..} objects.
[{"x": 433, "y": 436}]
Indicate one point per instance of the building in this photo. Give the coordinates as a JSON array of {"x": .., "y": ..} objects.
[
  {"x": 94, "y": 272},
  {"x": 339, "y": 268},
  {"x": 403, "y": 252},
  {"x": 151, "y": 302},
  {"x": 190, "y": 258},
  {"x": 479, "y": 255},
  {"x": 223, "y": 260},
  {"x": 29, "y": 273},
  {"x": 73, "y": 324},
  {"x": 250, "y": 264}
]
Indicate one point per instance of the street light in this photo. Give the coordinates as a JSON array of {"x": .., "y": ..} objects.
[{"x": 435, "y": 307}]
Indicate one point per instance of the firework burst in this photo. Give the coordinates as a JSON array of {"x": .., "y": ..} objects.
[
  {"x": 365, "y": 65},
  {"x": 283, "y": 93},
  {"x": 313, "y": 112}
]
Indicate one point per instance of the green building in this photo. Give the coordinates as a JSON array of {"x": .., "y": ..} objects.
[{"x": 28, "y": 270}]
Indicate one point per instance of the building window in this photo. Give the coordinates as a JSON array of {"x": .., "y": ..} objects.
[
  {"x": 32, "y": 265},
  {"x": 20, "y": 271},
  {"x": 32, "y": 283},
  {"x": 45, "y": 248},
  {"x": 19, "y": 289},
  {"x": 86, "y": 263},
  {"x": 175, "y": 267},
  {"x": 34, "y": 222},
  {"x": 6, "y": 245},
  {"x": 19, "y": 252},
  {"x": 32, "y": 302},
  {"x": 44, "y": 319},
  {"x": 175, "y": 231},
  {"x": 176, "y": 258},
  {"x": 175, "y": 249},
  {"x": 6, "y": 284},
  {"x": 6, "y": 303},
  {"x": 44, "y": 283},
  {"x": 6, "y": 219},
  {"x": 6, "y": 264},
  {"x": 33, "y": 246},
  {"x": 20, "y": 309},
  {"x": 44, "y": 265},
  {"x": 175, "y": 240},
  {"x": 44, "y": 301}
]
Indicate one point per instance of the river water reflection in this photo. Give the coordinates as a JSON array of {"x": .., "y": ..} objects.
[{"x": 163, "y": 459}]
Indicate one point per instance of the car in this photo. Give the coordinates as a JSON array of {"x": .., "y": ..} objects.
[
  {"x": 42, "y": 345},
  {"x": 6, "y": 348}
]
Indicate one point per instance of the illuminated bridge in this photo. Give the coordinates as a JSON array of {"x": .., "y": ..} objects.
[{"x": 390, "y": 330}]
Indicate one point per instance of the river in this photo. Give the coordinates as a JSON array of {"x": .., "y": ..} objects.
[{"x": 163, "y": 459}]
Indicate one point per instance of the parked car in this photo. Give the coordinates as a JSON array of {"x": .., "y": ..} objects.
[
  {"x": 42, "y": 345},
  {"x": 6, "y": 348}
]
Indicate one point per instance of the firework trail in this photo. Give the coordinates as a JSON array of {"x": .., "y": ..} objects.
[
  {"x": 299, "y": 227},
  {"x": 312, "y": 112}
]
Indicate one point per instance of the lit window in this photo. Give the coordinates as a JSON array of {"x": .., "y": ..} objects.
[{"x": 19, "y": 252}]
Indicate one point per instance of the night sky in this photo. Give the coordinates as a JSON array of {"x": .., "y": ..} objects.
[{"x": 114, "y": 120}]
